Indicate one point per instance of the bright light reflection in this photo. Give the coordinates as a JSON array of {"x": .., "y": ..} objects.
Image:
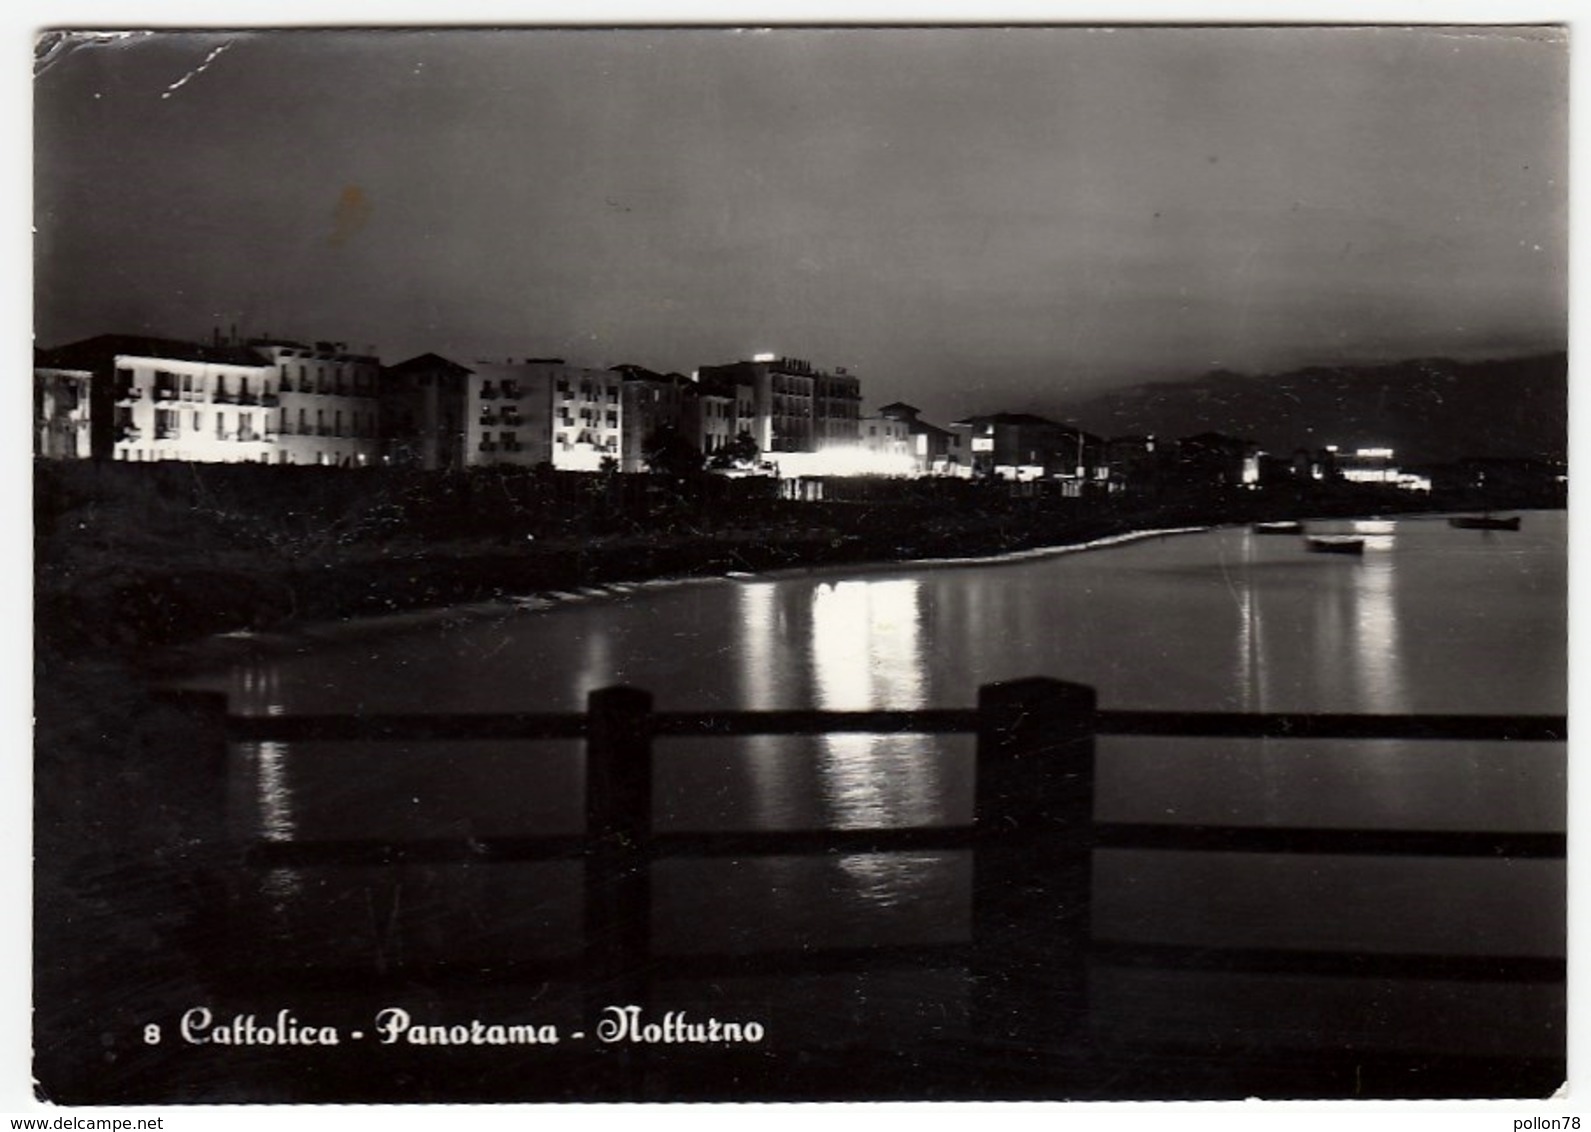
[
  {"x": 274, "y": 797},
  {"x": 867, "y": 653},
  {"x": 760, "y": 672},
  {"x": 1376, "y": 636}
]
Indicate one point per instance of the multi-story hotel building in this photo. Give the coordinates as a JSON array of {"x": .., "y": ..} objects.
[
  {"x": 788, "y": 405},
  {"x": 161, "y": 399},
  {"x": 441, "y": 414},
  {"x": 266, "y": 402},
  {"x": 326, "y": 409}
]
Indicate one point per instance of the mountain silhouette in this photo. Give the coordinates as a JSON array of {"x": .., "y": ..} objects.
[{"x": 1430, "y": 410}]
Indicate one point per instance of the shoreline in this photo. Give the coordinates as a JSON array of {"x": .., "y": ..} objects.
[
  {"x": 190, "y": 657},
  {"x": 185, "y": 659}
]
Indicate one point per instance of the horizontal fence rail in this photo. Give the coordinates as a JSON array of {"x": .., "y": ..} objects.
[{"x": 942, "y": 721}]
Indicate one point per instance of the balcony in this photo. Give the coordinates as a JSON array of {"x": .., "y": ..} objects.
[
  {"x": 166, "y": 432},
  {"x": 510, "y": 390},
  {"x": 270, "y": 400},
  {"x": 247, "y": 399},
  {"x": 223, "y": 397},
  {"x": 323, "y": 430},
  {"x": 488, "y": 446},
  {"x": 489, "y": 419},
  {"x": 488, "y": 392},
  {"x": 165, "y": 393},
  {"x": 126, "y": 434},
  {"x": 129, "y": 393}
]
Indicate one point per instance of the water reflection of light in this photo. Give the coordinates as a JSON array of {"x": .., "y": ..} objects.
[
  {"x": 866, "y": 649},
  {"x": 276, "y": 821},
  {"x": 274, "y": 797},
  {"x": 596, "y": 661},
  {"x": 759, "y": 672},
  {"x": 281, "y": 886},
  {"x": 1250, "y": 667},
  {"x": 1377, "y": 533},
  {"x": 867, "y": 644},
  {"x": 1376, "y": 637},
  {"x": 895, "y": 880},
  {"x": 255, "y": 687}
]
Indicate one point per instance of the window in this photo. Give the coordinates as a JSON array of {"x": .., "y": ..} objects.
[
  {"x": 220, "y": 426},
  {"x": 613, "y": 419},
  {"x": 337, "y": 427}
]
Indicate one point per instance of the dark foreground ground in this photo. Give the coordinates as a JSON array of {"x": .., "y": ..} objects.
[{"x": 132, "y": 893}]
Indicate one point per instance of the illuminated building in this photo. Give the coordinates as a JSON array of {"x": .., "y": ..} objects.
[
  {"x": 153, "y": 399},
  {"x": 935, "y": 451},
  {"x": 1021, "y": 446},
  {"x": 441, "y": 414},
  {"x": 787, "y": 404},
  {"x": 326, "y": 410}
]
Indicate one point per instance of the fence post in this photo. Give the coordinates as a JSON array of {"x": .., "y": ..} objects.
[
  {"x": 1032, "y": 889},
  {"x": 1035, "y": 754},
  {"x": 188, "y": 742},
  {"x": 618, "y": 901},
  {"x": 184, "y": 746}
]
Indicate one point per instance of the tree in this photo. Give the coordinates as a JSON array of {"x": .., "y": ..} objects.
[
  {"x": 667, "y": 452},
  {"x": 741, "y": 452}
]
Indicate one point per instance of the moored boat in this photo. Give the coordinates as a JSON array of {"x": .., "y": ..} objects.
[
  {"x": 1287, "y": 528},
  {"x": 1485, "y": 522},
  {"x": 1340, "y": 545}
]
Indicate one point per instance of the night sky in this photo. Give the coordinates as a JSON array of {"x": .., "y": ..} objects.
[{"x": 969, "y": 219}]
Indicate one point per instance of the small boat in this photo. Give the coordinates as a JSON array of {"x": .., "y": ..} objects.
[
  {"x": 1338, "y": 545},
  {"x": 1290, "y": 528},
  {"x": 1484, "y": 523}
]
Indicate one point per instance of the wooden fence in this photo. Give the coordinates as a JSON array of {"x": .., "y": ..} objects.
[{"x": 1033, "y": 816}]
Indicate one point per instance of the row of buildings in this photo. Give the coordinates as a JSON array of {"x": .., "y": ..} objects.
[{"x": 275, "y": 401}]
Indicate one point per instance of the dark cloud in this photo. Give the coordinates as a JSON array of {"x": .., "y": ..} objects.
[{"x": 970, "y": 218}]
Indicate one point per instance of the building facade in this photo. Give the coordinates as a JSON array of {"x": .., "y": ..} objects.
[
  {"x": 1021, "y": 446},
  {"x": 153, "y": 399},
  {"x": 61, "y": 413},
  {"x": 441, "y": 414},
  {"x": 652, "y": 403},
  {"x": 935, "y": 451},
  {"x": 787, "y": 404},
  {"x": 327, "y": 408}
]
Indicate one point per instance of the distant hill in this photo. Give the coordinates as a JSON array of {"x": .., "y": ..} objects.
[{"x": 1428, "y": 409}]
